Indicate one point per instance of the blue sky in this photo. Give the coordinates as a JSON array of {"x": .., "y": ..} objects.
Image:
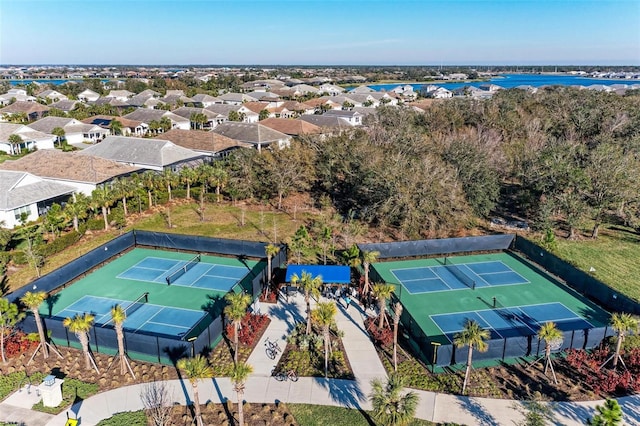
[{"x": 332, "y": 32}]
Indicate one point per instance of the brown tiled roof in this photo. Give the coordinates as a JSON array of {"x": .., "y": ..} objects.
[
  {"x": 256, "y": 106},
  {"x": 23, "y": 106},
  {"x": 199, "y": 140},
  {"x": 70, "y": 166},
  {"x": 316, "y": 102},
  {"x": 290, "y": 126}
]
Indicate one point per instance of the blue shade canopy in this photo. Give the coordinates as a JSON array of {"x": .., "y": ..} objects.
[{"x": 329, "y": 274}]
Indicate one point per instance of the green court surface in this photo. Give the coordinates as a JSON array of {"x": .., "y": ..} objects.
[
  {"x": 122, "y": 280},
  {"x": 427, "y": 287}
]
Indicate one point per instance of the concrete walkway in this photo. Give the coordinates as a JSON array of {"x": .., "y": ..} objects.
[{"x": 261, "y": 387}]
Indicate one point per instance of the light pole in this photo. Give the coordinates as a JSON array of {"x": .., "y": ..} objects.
[
  {"x": 434, "y": 357},
  {"x": 192, "y": 340}
]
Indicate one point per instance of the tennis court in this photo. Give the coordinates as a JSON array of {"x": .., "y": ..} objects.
[
  {"x": 515, "y": 321},
  {"x": 450, "y": 276},
  {"x": 191, "y": 273},
  {"x": 501, "y": 291},
  {"x": 142, "y": 316},
  {"x": 172, "y": 308}
]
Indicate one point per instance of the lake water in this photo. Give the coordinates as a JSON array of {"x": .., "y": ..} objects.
[{"x": 513, "y": 80}]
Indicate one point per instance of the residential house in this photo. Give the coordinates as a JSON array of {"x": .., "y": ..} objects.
[
  {"x": 258, "y": 107},
  {"x": 203, "y": 100},
  {"x": 213, "y": 118},
  {"x": 327, "y": 123},
  {"x": 52, "y": 95},
  {"x": 303, "y": 90},
  {"x": 361, "y": 89},
  {"x": 88, "y": 96},
  {"x": 25, "y": 194},
  {"x": 83, "y": 172},
  {"x": 65, "y": 105},
  {"x": 353, "y": 117},
  {"x": 208, "y": 143},
  {"x": 236, "y": 98},
  {"x": 253, "y": 133},
  {"x": 15, "y": 95},
  {"x": 436, "y": 92},
  {"x": 76, "y": 132},
  {"x": 30, "y": 110},
  {"x": 271, "y": 98},
  {"x": 121, "y": 95},
  {"x": 299, "y": 108},
  {"x": 330, "y": 89},
  {"x": 31, "y": 138},
  {"x": 291, "y": 127},
  {"x": 244, "y": 113},
  {"x": 149, "y": 116},
  {"x": 129, "y": 127},
  {"x": 149, "y": 154}
]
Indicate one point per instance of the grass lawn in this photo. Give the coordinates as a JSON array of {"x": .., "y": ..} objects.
[
  {"x": 320, "y": 415},
  {"x": 221, "y": 221},
  {"x": 614, "y": 256}
]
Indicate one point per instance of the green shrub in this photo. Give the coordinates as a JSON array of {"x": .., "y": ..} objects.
[
  {"x": 19, "y": 258},
  {"x": 11, "y": 382},
  {"x": 60, "y": 243},
  {"x": 96, "y": 224},
  {"x": 133, "y": 418}
]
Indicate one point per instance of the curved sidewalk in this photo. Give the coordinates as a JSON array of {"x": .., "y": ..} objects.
[{"x": 262, "y": 388}]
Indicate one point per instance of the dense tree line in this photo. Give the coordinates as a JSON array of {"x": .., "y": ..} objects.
[{"x": 561, "y": 158}]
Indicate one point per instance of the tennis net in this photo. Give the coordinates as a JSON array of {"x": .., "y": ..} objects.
[
  {"x": 183, "y": 269},
  {"x": 132, "y": 307},
  {"x": 457, "y": 272}
]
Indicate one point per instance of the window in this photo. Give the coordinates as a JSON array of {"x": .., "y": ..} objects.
[{"x": 19, "y": 211}]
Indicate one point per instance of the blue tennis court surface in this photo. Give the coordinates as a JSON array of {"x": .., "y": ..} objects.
[
  {"x": 513, "y": 321},
  {"x": 147, "y": 317},
  {"x": 208, "y": 276},
  {"x": 457, "y": 277}
]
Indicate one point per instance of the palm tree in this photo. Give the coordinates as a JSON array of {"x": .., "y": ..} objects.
[
  {"x": 118, "y": 315},
  {"x": 324, "y": 315},
  {"x": 149, "y": 179},
  {"x": 311, "y": 287},
  {"x": 382, "y": 292},
  {"x": 239, "y": 376},
  {"x": 196, "y": 368},
  {"x": 168, "y": 179},
  {"x": 390, "y": 406},
  {"x": 76, "y": 209},
  {"x": 623, "y": 324},
  {"x": 102, "y": 197},
  {"x": 80, "y": 326},
  {"x": 368, "y": 257},
  {"x": 33, "y": 302},
  {"x": 14, "y": 143},
  {"x": 235, "y": 311},
  {"x": 188, "y": 176},
  {"x": 115, "y": 126},
  {"x": 396, "y": 322},
  {"x": 473, "y": 336},
  {"x": 609, "y": 414},
  {"x": 218, "y": 178},
  {"x": 270, "y": 250},
  {"x": 550, "y": 334},
  {"x": 59, "y": 133},
  {"x": 124, "y": 188}
]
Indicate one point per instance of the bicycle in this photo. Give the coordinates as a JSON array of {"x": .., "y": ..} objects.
[
  {"x": 282, "y": 376},
  {"x": 272, "y": 349}
]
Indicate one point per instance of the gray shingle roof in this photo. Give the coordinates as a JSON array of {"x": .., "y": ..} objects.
[
  {"x": 249, "y": 132},
  {"x": 16, "y": 190},
  {"x": 151, "y": 152}
]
